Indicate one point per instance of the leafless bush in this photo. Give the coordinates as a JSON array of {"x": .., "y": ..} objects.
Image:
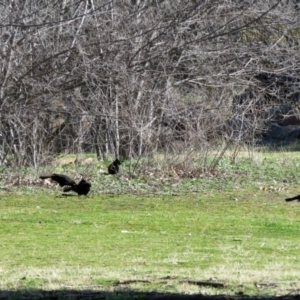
[{"x": 130, "y": 78}]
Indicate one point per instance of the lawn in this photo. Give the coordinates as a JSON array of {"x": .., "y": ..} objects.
[{"x": 244, "y": 236}]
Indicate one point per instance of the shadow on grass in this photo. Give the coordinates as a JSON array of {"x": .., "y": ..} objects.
[{"x": 37, "y": 294}]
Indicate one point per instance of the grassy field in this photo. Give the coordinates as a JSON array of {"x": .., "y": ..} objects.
[{"x": 235, "y": 229}]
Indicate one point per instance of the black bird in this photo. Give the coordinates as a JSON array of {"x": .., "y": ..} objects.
[
  {"x": 82, "y": 188},
  {"x": 114, "y": 168},
  {"x": 293, "y": 198},
  {"x": 61, "y": 179}
]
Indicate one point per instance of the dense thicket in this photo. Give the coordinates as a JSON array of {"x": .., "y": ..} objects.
[{"x": 131, "y": 77}]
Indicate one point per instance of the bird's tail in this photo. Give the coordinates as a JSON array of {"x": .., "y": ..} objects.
[
  {"x": 293, "y": 198},
  {"x": 45, "y": 177}
]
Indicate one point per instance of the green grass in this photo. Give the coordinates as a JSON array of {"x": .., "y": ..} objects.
[
  {"x": 49, "y": 242},
  {"x": 158, "y": 234}
]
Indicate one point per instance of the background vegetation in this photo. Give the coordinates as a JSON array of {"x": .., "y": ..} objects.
[{"x": 130, "y": 78}]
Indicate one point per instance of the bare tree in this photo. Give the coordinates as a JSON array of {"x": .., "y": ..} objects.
[{"x": 129, "y": 78}]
